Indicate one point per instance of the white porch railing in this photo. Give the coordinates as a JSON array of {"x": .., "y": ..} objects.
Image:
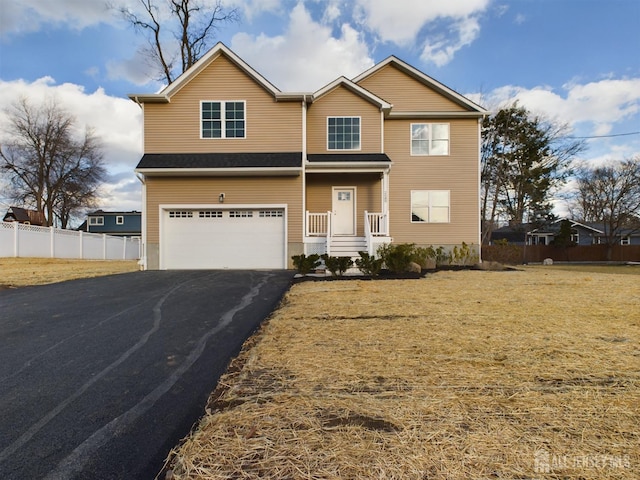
[
  {"x": 318, "y": 224},
  {"x": 376, "y": 224}
]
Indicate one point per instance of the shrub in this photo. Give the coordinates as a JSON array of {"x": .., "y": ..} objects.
[
  {"x": 463, "y": 255},
  {"x": 306, "y": 264},
  {"x": 337, "y": 265},
  {"x": 369, "y": 264},
  {"x": 397, "y": 257}
]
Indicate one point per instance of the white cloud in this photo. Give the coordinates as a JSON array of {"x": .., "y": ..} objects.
[
  {"x": 600, "y": 103},
  {"x": 399, "y": 21},
  {"x": 442, "y": 51},
  {"x": 28, "y": 15},
  {"x": 116, "y": 121},
  {"x": 307, "y": 56}
]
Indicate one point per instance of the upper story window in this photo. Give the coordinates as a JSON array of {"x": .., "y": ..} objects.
[
  {"x": 222, "y": 119},
  {"x": 343, "y": 133},
  {"x": 119, "y": 220},
  {"x": 96, "y": 220},
  {"x": 429, "y": 139}
]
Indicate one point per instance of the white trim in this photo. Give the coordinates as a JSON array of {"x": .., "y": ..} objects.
[
  {"x": 355, "y": 88},
  {"x": 429, "y": 206},
  {"x": 430, "y": 140},
  {"x": 359, "y": 134},
  {"x": 223, "y": 120}
]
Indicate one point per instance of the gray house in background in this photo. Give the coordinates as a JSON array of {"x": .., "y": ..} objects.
[
  {"x": 581, "y": 234},
  {"x": 122, "y": 224}
]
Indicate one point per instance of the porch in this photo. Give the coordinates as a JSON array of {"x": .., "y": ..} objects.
[{"x": 320, "y": 237}]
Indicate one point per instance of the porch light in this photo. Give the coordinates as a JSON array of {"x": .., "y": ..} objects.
[{"x": 221, "y": 198}]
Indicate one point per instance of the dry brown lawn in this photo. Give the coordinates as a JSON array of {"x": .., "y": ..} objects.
[
  {"x": 460, "y": 375},
  {"x": 20, "y": 272}
]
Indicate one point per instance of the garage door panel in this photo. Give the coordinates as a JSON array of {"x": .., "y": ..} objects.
[{"x": 236, "y": 239}]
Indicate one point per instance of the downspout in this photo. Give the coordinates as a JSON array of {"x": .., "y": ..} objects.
[
  {"x": 304, "y": 172},
  {"x": 143, "y": 223}
]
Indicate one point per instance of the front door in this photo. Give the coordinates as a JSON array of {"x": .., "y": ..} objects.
[{"x": 344, "y": 211}]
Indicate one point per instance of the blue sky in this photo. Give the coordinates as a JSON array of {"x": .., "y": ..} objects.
[{"x": 576, "y": 61}]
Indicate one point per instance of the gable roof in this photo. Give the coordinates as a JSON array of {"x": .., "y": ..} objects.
[
  {"x": 471, "y": 107},
  {"x": 23, "y": 215},
  {"x": 218, "y": 49},
  {"x": 355, "y": 88}
]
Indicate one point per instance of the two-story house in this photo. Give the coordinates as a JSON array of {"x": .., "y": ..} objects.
[{"x": 237, "y": 174}]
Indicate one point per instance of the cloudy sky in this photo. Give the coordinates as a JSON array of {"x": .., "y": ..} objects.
[{"x": 576, "y": 61}]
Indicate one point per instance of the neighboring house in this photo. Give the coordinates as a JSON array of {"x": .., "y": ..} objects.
[
  {"x": 121, "y": 224},
  {"x": 581, "y": 234},
  {"x": 237, "y": 174},
  {"x": 23, "y": 215}
]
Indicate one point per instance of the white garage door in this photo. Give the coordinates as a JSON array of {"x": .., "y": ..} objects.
[{"x": 218, "y": 238}]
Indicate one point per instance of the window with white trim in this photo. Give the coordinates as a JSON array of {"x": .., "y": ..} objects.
[
  {"x": 119, "y": 220},
  {"x": 96, "y": 220},
  {"x": 625, "y": 240},
  {"x": 430, "y": 206},
  {"x": 429, "y": 139},
  {"x": 222, "y": 119},
  {"x": 343, "y": 133}
]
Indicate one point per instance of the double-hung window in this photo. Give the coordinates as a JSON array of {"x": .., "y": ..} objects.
[
  {"x": 430, "y": 206},
  {"x": 429, "y": 139},
  {"x": 222, "y": 119},
  {"x": 343, "y": 133}
]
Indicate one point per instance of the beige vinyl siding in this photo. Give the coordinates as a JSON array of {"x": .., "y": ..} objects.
[
  {"x": 237, "y": 190},
  {"x": 457, "y": 172},
  {"x": 270, "y": 126},
  {"x": 341, "y": 102},
  {"x": 407, "y": 94},
  {"x": 368, "y": 193}
]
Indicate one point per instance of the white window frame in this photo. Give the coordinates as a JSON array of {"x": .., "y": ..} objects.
[
  {"x": 119, "y": 220},
  {"x": 430, "y": 206},
  {"x": 223, "y": 120},
  {"x": 359, "y": 134},
  {"x": 625, "y": 240},
  {"x": 96, "y": 221},
  {"x": 430, "y": 140}
]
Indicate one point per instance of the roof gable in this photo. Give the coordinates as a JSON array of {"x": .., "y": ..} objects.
[
  {"x": 211, "y": 56},
  {"x": 353, "y": 88},
  {"x": 463, "y": 103}
]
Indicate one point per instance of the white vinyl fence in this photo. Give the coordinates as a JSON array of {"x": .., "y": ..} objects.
[{"x": 19, "y": 240}]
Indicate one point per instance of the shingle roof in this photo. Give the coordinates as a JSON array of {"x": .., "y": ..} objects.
[
  {"x": 348, "y": 157},
  {"x": 219, "y": 160}
]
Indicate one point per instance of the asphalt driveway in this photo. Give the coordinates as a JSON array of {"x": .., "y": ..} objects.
[{"x": 99, "y": 378}]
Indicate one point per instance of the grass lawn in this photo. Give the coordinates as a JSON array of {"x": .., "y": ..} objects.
[
  {"x": 20, "y": 272},
  {"x": 460, "y": 375}
]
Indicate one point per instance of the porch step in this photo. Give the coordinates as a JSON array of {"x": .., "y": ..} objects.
[{"x": 348, "y": 246}]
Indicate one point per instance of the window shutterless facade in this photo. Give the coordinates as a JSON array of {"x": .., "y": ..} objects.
[
  {"x": 429, "y": 139},
  {"x": 223, "y": 119},
  {"x": 96, "y": 220},
  {"x": 430, "y": 206},
  {"x": 343, "y": 133}
]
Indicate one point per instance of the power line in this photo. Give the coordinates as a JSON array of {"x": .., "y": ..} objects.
[{"x": 606, "y": 136}]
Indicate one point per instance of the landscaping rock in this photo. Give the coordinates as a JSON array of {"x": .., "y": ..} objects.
[{"x": 414, "y": 268}]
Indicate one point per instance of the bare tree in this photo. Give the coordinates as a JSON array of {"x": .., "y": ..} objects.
[
  {"x": 179, "y": 32},
  {"x": 47, "y": 166},
  {"x": 609, "y": 195},
  {"x": 524, "y": 159}
]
